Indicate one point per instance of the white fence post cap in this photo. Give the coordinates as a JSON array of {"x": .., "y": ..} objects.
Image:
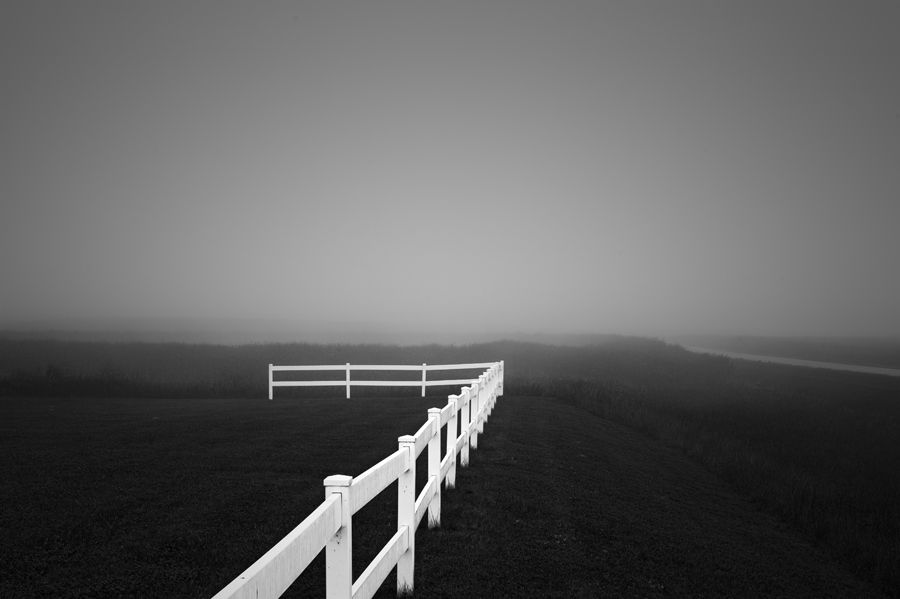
[
  {"x": 338, "y": 480},
  {"x": 406, "y": 439}
]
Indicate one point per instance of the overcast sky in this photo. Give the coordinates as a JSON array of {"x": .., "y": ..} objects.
[{"x": 634, "y": 167}]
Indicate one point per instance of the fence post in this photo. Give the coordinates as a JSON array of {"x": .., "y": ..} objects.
[
  {"x": 473, "y": 413},
  {"x": 348, "y": 380},
  {"x": 488, "y": 386},
  {"x": 495, "y": 377},
  {"x": 423, "y": 380},
  {"x": 502, "y": 370},
  {"x": 434, "y": 468},
  {"x": 450, "y": 481},
  {"x": 270, "y": 381},
  {"x": 496, "y": 386},
  {"x": 406, "y": 516},
  {"x": 339, "y": 549},
  {"x": 464, "y": 426},
  {"x": 482, "y": 401}
]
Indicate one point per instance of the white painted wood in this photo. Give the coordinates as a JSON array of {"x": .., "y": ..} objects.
[
  {"x": 452, "y": 450},
  {"x": 494, "y": 378},
  {"x": 446, "y": 463},
  {"x": 437, "y": 383},
  {"x": 423, "y": 436},
  {"x": 276, "y": 570},
  {"x": 377, "y": 383},
  {"x": 464, "y": 426},
  {"x": 376, "y": 479},
  {"x": 370, "y": 580},
  {"x": 339, "y": 549},
  {"x": 308, "y": 383},
  {"x": 348, "y": 382},
  {"x": 473, "y": 419},
  {"x": 482, "y": 399},
  {"x": 492, "y": 396},
  {"x": 483, "y": 403},
  {"x": 434, "y": 468},
  {"x": 485, "y": 399},
  {"x": 386, "y": 367},
  {"x": 461, "y": 442},
  {"x": 446, "y": 413},
  {"x": 461, "y": 366},
  {"x": 385, "y": 383},
  {"x": 309, "y": 367},
  {"x": 424, "y": 499},
  {"x": 498, "y": 380},
  {"x": 313, "y": 367},
  {"x": 334, "y": 383},
  {"x": 406, "y": 516},
  {"x": 498, "y": 387}
]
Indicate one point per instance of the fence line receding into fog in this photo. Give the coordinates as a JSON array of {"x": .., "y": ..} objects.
[{"x": 329, "y": 526}]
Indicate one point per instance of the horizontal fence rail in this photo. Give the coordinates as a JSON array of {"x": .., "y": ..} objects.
[
  {"x": 330, "y": 526},
  {"x": 347, "y": 382}
]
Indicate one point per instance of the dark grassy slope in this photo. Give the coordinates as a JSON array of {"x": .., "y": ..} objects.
[
  {"x": 559, "y": 503},
  {"x": 817, "y": 448},
  {"x": 170, "y": 498}
]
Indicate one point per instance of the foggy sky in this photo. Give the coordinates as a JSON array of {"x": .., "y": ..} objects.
[{"x": 635, "y": 167}]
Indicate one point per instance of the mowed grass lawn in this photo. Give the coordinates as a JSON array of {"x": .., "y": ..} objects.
[
  {"x": 562, "y": 503},
  {"x": 174, "y": 498}
]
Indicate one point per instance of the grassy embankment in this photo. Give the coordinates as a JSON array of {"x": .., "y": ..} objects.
[{"x": 818, "y": 448}]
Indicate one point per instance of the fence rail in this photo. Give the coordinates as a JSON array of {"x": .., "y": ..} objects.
[
  {"x": 347, "y": 368},
  {"x": 329, "y": 526}
]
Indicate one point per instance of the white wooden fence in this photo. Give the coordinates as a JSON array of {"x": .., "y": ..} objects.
[
  {"x": 424, "y": 368},
  {"x": 330, "y": 526}
]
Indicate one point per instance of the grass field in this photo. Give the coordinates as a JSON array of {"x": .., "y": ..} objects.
[
  {"x": 160, "y": 496},
  {"x": 562, "y": 503},
  {"x": 818, "y": 448},
  {"x": 123, "y": 497}
]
